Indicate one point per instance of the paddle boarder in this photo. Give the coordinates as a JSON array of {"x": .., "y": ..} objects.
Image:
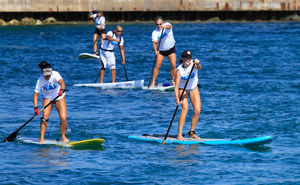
[
  {"x": 107, "y": 56},
  {"x": 51, "y": 84},
  {"x": 182, "y": 73},
  {"x": 99, "y": 19},
  {"x": 163, "y": 37}
]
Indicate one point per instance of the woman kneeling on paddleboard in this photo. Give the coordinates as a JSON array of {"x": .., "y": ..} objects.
[
  {"x": 52, "y": 85},
  {"x": 182, "y": 74}
]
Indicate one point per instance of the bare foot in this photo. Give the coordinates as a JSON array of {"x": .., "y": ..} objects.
[
  {"x": 65, "y": 139},
  {"x": 180, "y": 138},
  {"x": 194, "y": 136},
  {"x": 152, "y": 85},
  {"x": 42, "y": 141}
]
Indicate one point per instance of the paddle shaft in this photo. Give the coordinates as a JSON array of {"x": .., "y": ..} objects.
[
  {"x": 13, "y": 135},
  {"x": 99, "y": 68},
  {"x": 154, "y": 63},
  {"x": 97, "y": 77},
  {"x": 181, "y": 96},
  {"x": 125, "y": 72},
  {"x": 123, "y": 64}
]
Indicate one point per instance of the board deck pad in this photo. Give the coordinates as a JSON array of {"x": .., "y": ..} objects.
[
  {"x": 91, "y": 144},
  {"x": 117, "y": 85},
  {"x": 187, "y": 141},
  {"x": 88, "y": 56}
]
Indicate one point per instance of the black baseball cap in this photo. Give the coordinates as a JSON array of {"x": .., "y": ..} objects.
[
  {"x": 186, "y": 54},
  {"x": 44, "y": 65}
]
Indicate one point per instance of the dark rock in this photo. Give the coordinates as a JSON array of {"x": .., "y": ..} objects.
[
  {"x": 39, "y": 22},
  {"x": 28, "y": 21},
  {"x": 49, "y": 20},
  {"x": 14, "y": 22},
  {"x": 2, "y": 22},
  {"x": 214, "y": 19},
  {"x": 291, "y": 18}
]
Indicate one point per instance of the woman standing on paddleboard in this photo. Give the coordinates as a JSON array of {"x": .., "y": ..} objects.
[
  {"x": 163, "y": 43},
  {"x": 100, "y": 28},
  {"x": 182, "y": 74},
  {"x": 52, "y": 85}
]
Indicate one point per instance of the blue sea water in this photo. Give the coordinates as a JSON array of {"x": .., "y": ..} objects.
[{"x": 250, "y": 87}]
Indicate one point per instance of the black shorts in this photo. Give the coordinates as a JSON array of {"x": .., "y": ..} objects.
[
  {"x": 99, "y": 32},
  {"x": 168, "y": 52}
]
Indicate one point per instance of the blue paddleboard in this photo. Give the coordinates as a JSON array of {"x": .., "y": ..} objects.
[{"x": 158, "y": 138}]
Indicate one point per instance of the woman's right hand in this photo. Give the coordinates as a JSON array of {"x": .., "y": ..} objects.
[
  {"x": 178, "y": 102},
  {"x": 36, "y": 111}
]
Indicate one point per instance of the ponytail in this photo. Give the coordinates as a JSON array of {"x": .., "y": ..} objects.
[{"x": 180, "y": 61}]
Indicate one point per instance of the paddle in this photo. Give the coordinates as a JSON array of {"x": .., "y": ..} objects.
[
  {"x": 125, "y": 72},
  {"x": 154, "y": 63},
  {"x": 123, "y": 64},
  {"x": 13, "y": 135},
  {"x": 97, "y": 77},
  {"x": 178, "y": 105}
]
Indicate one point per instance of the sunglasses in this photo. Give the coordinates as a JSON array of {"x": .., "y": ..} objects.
[
  {"x": 158, "y": 24},
  {"x": 120, "y": 31}
]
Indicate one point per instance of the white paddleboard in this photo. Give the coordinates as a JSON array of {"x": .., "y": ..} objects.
[
  {"x": 118, "y": 85},
  {"x": 88, "y": 55},
  {"x": 160, "y": 88}
]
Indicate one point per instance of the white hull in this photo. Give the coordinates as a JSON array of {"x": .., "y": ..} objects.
[
  {"x": 117, "y": 85},
  {"x": 159, "y": 88},
  {"x": 88, "y": 55}
]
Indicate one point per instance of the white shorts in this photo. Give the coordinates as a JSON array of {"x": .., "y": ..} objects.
[{"x": 107, "y": 59}]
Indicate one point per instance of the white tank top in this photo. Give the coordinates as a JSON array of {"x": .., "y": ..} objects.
[
  {"x": 167, "y": 38},
  {"x": 184, "y": 74},
  {"x": 110, "y": 45},
  {"x": 99, "y": 20},
  {"x": 50, "y": 88}
]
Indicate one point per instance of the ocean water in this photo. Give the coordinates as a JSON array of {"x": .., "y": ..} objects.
[{"x": 250, "y": 86}]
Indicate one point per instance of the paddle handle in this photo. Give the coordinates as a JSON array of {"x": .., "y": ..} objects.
[
  {"x": 181, "y": 96},
  {"x": 154, "y": 63}
]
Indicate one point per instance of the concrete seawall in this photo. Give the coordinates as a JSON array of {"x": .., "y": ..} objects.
[
  {"x": 145, "y": 10},
  {"x": 147, "y": 5}
]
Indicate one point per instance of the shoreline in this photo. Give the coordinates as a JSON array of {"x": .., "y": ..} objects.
[{"x": 215, "y": 20}]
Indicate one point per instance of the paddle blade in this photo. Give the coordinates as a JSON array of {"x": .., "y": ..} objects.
[{"x": 11, "y": 137}]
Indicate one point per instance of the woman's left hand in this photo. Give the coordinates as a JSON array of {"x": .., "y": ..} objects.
[
  {"x": 123, "y": 61},
  {"x": 196, "y": 61},
  {"x": 178, "y": 102}
]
